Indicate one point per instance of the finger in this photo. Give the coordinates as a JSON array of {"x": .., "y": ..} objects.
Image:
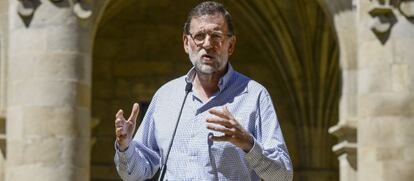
[
  {"x": 233, "y": 122},
  {"x": 218, "y": 114},
  {"x": 134, "y": 113},
  {"x": 227, "y": 112},
  {"x": 227, "y": 131},
  {"x": 120, "y": 114},
  {"x": 119, "y": 123},
  {"x": 119, "y": 133},
  {"x": 220, "y": 138},
  {"x": 220, "y": 121}
]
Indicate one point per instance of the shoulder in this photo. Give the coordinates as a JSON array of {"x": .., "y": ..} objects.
[
  {"x": 252, "y": 86},
  {"x": 171, "y": 87}
]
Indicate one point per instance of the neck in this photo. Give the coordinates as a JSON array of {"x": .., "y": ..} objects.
[{"x": 207, "y": 84}]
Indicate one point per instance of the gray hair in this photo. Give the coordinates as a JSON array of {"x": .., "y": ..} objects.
[{"x": 209, "y": 8}]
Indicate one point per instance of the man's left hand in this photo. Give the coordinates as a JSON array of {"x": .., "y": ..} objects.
[{"x": 233, "y": 131}]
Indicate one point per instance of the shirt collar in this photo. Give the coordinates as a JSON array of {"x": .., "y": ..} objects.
[{"x": 189, "y": 78}]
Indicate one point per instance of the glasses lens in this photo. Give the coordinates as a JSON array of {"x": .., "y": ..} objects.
[
  {"x": 199, "y": 37},
  {"x": 215, "y": 37}
]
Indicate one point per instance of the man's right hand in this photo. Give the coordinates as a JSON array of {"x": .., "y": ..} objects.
[{"x": 124, "y": 129}]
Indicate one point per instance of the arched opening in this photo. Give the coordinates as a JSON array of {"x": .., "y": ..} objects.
[{"x": 288, "y": 46}]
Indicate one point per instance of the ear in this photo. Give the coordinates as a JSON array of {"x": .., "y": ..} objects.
[
  {"x": 232, "y": 45},
  {"x": 185, "y": 43}
]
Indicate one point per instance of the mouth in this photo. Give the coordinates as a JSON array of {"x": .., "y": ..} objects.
[{"x": 207, "y": 57}]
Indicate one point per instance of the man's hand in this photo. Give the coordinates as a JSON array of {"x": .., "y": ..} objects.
[
  {"x": 233, "y": 131},
  {"x": 124, "y": 129}
]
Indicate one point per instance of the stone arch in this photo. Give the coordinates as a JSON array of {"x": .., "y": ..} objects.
[
  {"x": 303, "y": 50},
  {"x": 294, "y": 52}
]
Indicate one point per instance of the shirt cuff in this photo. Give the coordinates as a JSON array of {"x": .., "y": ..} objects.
[
  {"x": 125, "y": 155},
  {"x": 255, "y": 154}
]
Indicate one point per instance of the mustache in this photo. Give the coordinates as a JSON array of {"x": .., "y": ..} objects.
[{"x": 203, "y": 53}]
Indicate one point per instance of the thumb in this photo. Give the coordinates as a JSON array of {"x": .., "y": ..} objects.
[{"x": 134, "y": 113}]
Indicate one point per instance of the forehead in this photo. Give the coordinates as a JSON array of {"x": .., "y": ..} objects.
[{"x": 208, "y": 22}]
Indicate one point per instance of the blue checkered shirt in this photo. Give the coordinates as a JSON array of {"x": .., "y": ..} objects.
[{"x": 193, "y": 156}]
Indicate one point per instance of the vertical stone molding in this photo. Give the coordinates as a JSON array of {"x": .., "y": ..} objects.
[
  {"x": 385, "y": 97},
  {"x": 343, "y": 16},
  {"x": 3, "y": 55},
  {"x": 3, "y": 83},
  {"x": 48, "y": 114}
]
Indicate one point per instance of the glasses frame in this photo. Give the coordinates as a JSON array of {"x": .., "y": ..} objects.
[{"x": 209, "y": 34}]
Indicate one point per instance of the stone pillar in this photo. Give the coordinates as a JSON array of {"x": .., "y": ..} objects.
[
  {"x": 3, "y": 55},
  {"x": 343, "y": 13},
  {"x": 3, "y": 82},
  {"x": 385, "y": 90},
  {"x": 48, "y": 115}
]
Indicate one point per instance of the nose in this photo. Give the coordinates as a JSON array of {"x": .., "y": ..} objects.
[{"x": 207, "y": 44}]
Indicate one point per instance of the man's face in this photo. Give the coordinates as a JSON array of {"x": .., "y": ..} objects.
[{"x": 209, "y": 45}]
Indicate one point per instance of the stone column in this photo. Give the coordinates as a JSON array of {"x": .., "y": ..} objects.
[
  {"x": 385, "y": 90},
  {"x": 3, "y": 82},
  {"x": 343, "y": 14},
  {"x": 48, "y": 115}
]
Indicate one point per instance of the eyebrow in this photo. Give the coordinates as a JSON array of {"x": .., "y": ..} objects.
[{"x": 213, "y": 30}]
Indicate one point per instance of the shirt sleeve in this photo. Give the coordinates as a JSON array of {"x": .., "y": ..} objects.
[
  {"x": 141, "y": 160},
  {"x": 269, "y": 157}
]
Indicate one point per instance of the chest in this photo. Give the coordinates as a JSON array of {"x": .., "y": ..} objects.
[{"x": 192, "y": 128}]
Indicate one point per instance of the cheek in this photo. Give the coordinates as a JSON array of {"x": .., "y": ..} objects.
[
  {"x": 224, "y": 51},
  {"x": 193, "y": 48}
]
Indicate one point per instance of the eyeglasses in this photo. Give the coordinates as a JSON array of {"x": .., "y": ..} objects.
[{"x": 216, "y": 38}]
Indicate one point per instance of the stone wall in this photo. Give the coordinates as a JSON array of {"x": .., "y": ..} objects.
[{"x": 385, "y": 90}]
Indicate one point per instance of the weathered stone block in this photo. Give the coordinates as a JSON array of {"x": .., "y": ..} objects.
[
  {"x": 66, "y": 39},
  {"x": 367, "y": 168},
  {"x": 22, "y": 66},
  {"x": 349, "y": 81},
  {"x": 75, "y": 150},
  {"x": 69, "y": 66},
  {"x": 398, "y": 170},
  {"x": 40, "y": 150},
  {"x": 15, "y": 130},
  {"x": 45, "y": 92},
  {"x": 400, "y": 77},
  {"x": 373, "y": 54},
  {"x": 25, "y": 40},
  {"x": 55, "y": 121},
  {"x": 348, "y": 107},
  {"x": 403, "y": 50},
  {"x": 345, "y": 23},
  {"x": 391, "y": 131},
  {"x": 375, "y": 80},
  {"x": 36, "y": 172},
  {"x": 386, "y": 104},
  {"x": 409, "y": 152}
]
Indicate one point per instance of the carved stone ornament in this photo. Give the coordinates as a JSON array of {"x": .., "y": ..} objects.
[
  {"x": 407, "y": 9},
  {"x": 27, "y": 8},
  {"x": 82, "y": 9},
  {"x": 385, "y": 18}
]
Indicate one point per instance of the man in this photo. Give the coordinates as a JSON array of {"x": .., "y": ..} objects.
[{"x": 227, "y": 129}]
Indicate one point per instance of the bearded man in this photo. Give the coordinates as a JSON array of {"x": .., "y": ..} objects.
[{"x": 227, "y": 128}]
